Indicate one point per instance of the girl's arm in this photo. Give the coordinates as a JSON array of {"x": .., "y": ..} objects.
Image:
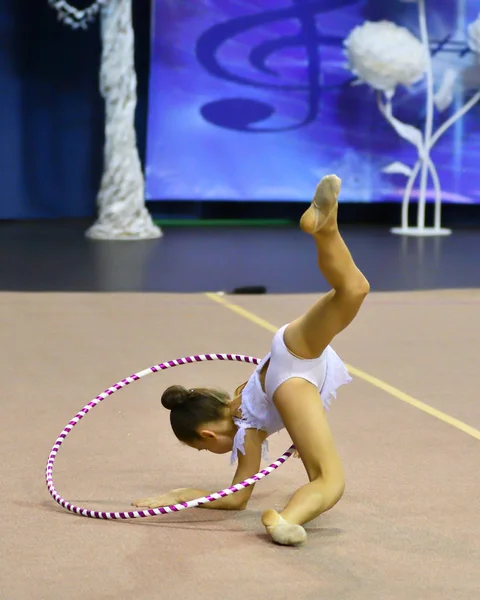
[{"x": 248, "y": 465}]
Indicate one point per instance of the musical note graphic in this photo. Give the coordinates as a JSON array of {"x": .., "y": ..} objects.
[{"x": 244, "y": 114}]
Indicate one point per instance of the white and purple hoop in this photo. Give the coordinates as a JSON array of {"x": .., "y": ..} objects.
[{"x": 163, "y": 510}]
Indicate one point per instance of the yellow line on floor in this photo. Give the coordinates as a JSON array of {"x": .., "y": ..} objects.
[{"x": 393, "y": 391}]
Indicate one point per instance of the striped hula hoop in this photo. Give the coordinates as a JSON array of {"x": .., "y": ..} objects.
[{"x": 162, "y": 510}]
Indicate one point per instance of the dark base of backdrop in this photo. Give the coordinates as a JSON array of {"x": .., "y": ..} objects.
[
  {"x": 387, "y": 213},
  {"x": 193, "y": 213}
]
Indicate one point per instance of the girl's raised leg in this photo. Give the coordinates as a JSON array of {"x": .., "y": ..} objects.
[{"x": 309, "y": 335}]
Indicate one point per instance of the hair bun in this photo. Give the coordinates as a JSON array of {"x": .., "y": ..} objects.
[{"x": 173, "y": 396}]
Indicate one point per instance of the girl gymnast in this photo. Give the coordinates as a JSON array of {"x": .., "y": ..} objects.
[{"x": 290, "y": 388}]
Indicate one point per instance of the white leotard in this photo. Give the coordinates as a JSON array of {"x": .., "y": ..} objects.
[{"x": 327, "y": 373}]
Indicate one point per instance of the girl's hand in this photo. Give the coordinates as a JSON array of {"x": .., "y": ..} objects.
[{"x": 167, "y": 499}]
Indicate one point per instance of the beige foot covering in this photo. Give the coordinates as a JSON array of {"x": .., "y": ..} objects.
[
  {"x": 323, "y": 203},
  {"x": 282, "y": 532}
]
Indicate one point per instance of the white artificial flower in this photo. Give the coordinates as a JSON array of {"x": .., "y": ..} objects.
[
  {"x": 474, "y": 36},
  {"x": 385, "y": 55}
]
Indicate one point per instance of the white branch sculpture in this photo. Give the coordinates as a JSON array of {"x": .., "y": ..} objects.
[
  {"x": 385, "y": 55},
  {"x": 122, "y": 214}
]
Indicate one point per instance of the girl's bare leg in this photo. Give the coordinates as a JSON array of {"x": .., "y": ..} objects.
[
  {"x": 307, "y": 337},
  {"x": 301, "y": 409}
]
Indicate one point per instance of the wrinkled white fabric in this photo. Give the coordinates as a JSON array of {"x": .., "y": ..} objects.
[{"x": 327, "y": 373}]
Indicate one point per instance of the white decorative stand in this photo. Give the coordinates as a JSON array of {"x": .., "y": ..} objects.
[
  {"x": 421, "y": 231},
  {"x": 384, "y": 56},
  {"x": 122, "y": 214},
  {"x": 424, "y": 154}
]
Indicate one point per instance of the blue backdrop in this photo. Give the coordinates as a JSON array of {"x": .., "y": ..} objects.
[
  {"x": 51, "y": 112},
  {"x": 251, "y": 100}
]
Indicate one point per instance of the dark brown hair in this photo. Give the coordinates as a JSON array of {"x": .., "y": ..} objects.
[{"x": 190, "y": 409}]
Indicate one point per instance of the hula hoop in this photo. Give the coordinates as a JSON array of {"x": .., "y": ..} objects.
[{"x": 162, "y": 510}]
